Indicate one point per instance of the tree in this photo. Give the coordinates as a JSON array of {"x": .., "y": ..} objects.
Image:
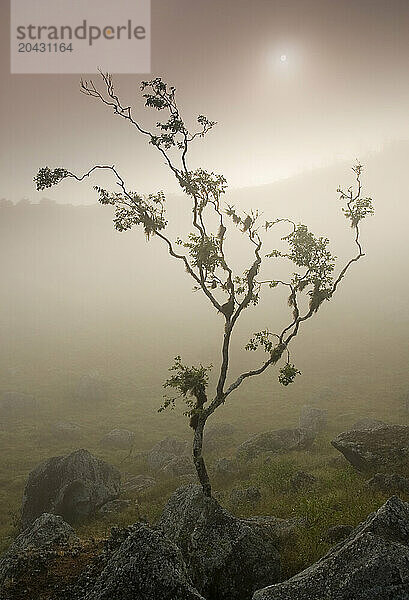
[{"x": 203, "y": 253}]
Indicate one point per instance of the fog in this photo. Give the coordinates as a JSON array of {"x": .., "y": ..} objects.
[
  {"x": 91, "y": 319},
  {"x": 78, "y": 296}
]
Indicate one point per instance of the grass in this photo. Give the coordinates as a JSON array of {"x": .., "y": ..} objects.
[{"x": 339, "y": 496}]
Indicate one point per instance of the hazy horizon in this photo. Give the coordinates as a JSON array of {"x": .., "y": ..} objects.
[{"x": 341, "y": 93}]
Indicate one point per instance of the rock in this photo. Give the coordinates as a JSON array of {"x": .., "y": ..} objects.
[
  {"x": 165, "y": 451},
  {"x": 91, "y": 388},
  {"x": 73, "y": 486},
  {"x": 367, "y": 423},
  {"x": 121, "y": 439},
  {"x": 225, "y": 466},
  {"x": 250, "y": 495},
  {"x": 227, "y": 558},
  {"x": 337, "y": 533},
  {"x": 281, "y": 440},
  {"x": 67, "y": 430},
  {"x": 187, "y": 479},
  {"x": 145, "y": 566},
  {"x": 284, "y": 529},
  {"x": 180, "y": 465},
  {"x": 371, "y": 564},
  {"x": 312, "y": 418},
  {"x": 389, "y": 483},
  {"x": 114, "y": 507},
  {"x": 217, "y": 436},
  {"x": 16, "y": 402},
  {"x": 46, "y": 531},
  {"x": 138, "y": 483},
  {"x": 302, "y": 481},
  {"x": 376, "y": 449}
]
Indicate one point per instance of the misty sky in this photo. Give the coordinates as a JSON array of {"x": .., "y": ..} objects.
[{"x": 343, "y": 91}]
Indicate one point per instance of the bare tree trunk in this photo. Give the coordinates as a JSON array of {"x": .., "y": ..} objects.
[{"x": 199, "y": 460}]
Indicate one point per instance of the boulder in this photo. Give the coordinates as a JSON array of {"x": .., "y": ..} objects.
[
  {"x": 312, "y": 418},
  {"x": 302, "y": 481},
  {"x": 121, "y": 439},
  {"x": 280, "y": 440},
  {"x": 138, "y": 483},
  {"x": 389, "y": 483},
  {"x": 45, "y": 532},
  {"x": 367, "y": 423},
  {"x": 337, "y": 533},
  {"x": 180, "y": 465},
  {"x": 249, "y": 495},
  {"x": 376, "y": 449},
  {"x": 165, "y": 451},
  {"x": 144, "y": 566},
  {"x": 283, "y": 529},
  {"x": 73, "y": 486},
  {"x": 227, "y": 557},
  {"x": 371, "y": 564}
]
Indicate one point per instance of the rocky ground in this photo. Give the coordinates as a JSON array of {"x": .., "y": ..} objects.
[{"x": 232, "y": 546}]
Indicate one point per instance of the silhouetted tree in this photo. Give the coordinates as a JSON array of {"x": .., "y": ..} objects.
[{"x": 204, "y": 257}]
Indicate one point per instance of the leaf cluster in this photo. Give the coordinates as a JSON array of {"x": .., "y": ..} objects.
[
  {"x": 191, "y": 382},
  {"x": 46, "y": 177},
  {"x": 357, "y": 210},
  {"x": 134, "y": 209},
  {"x": 172, "y": 132},
  {"x": 287, "y": 374},
  {"x": 203, "y": 250}
]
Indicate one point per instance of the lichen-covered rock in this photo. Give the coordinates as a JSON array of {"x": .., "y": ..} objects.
[
  {"x": 46, "y": 531},
  {"x": 313, "y": 418},
  {"x": 376, "y": 449},
  {"x": 121, "y": 439},
  {"x": 73, "y": 486},
  {"x": 284, "y": 529},
  {"x": 280, "y": 440},
  {"x": 165, "y": 451},
  {"x": 146, "y": 566},
  {"x": 337, "y": 533},
  {"x": 389, "y": 483},
  {"x": 367, "y": 423},
  {"x": 371, "y": 564},
  {"x": 227, "y": 557}
]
